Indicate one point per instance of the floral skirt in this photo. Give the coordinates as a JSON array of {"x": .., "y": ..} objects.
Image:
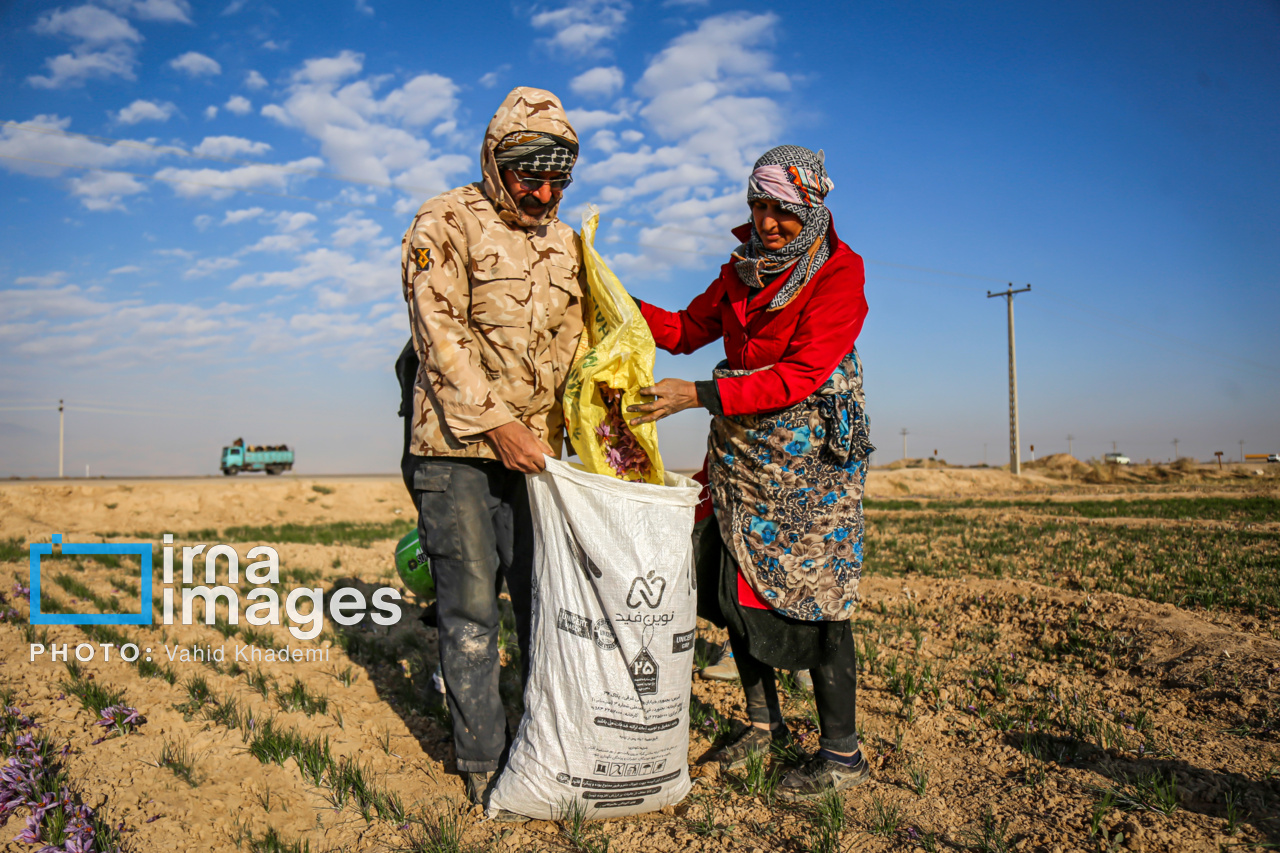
[{"x": 787, "y": 488}]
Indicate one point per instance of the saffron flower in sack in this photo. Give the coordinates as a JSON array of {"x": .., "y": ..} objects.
[{"x": 621, "y": 449}]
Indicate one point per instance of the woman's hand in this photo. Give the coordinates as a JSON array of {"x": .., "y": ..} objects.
[{"x": 673, "y": 395}]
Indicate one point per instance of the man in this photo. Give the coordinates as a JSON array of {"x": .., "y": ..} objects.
[{"x": 491, "y": 279}]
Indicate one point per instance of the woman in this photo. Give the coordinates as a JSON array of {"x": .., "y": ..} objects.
[{"x": 787, "y": 457}]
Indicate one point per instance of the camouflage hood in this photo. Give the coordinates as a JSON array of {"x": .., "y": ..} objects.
[{"x": 524, "y": 109}]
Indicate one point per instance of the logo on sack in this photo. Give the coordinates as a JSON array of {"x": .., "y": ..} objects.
[
  {"x": 602, "y": 633},
  {"x": 681, "y": 642},
  {"x": 572, "y": 623},
  {"x": 649, "y": 589}
]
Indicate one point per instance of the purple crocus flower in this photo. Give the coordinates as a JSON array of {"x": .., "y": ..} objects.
[
  {"x": 121, "y": 718},
  {"x": 30, "y": 835}
]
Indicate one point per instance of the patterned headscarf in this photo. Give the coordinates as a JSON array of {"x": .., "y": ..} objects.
[
  {"x": 797, "y": 179},
  {"x": 529, "y": 151}
]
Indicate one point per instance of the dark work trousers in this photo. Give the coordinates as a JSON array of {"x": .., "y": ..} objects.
[
  {"x": 474, "y": 524},
  {"x": 835, "y": 692}
]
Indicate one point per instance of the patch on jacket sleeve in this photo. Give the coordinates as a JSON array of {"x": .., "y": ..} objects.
[{"x": 421, "y": 258}]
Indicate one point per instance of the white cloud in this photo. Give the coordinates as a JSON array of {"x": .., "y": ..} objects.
[
  {"x": 145, "y": 111},
  {"x": 125, "y": 270},
  {"x": 210, "y": 112},
  {"x": 209, "y": 266},
  {"x": 202, "y": 221},
  {"x": 696, "y": 89},
  {"x": 90, "y": 25},
  {"x": 368, "y": 137},
  {"x": 217, "y": 183},
  {"x": 196, "y": 64},
  {"x": 364, "y": 7},
  {"x": 105, "y": 190},
  {"x": 73, "y": 69},
  {"x": 105, "y": 44},
  {"x": 96, "y": 190},
  {"x": 490, "y": 79},
  {"x": 72, "y": 326},
  {"x": 234, "y": 217},
  {"x": 280, "y": 243},
  {"x": 585, "y": 121},
  {"x": 579, "y": 27},
  {"x": 709, "y": 98},
  {"x": 340, "y": 279},
  {"x": 229, "y": 146},
  {"x": 355, "y": 229},
  {"x": 52, "y": 279},
  {"x": 601, "y": 82},
  {"x": 287, "y": 222},
  {"x": 253, "y": 80},
  {"x": 239, "y": 105},
  {"x": 605, "y": 140},
  {"x": 168, "y": 11}
]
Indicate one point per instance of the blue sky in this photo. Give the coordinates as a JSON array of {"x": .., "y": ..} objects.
[{"x": 228, "y": 266}]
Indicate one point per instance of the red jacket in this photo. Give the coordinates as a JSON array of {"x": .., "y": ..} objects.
[{"x": 801, "y": 344}]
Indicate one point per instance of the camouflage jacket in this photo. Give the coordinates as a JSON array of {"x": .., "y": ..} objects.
[{"x": 495, "y": 307}]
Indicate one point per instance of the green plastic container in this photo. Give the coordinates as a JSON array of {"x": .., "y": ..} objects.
[{"x": 414, "y": 567}]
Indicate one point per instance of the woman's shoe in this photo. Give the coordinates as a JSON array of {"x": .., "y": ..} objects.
[
  {"x": 818, "y": 775},
  {"x": 752, "y": 740},
  {"x": 724, "y": 669}
]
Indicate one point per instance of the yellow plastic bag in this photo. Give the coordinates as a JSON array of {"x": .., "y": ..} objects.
[{"x": 614, "y": 361}]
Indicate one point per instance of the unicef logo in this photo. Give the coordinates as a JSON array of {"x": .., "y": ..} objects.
[{"x": 602, "y": 633}]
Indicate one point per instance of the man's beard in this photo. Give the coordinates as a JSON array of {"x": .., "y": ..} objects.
[
  {"x": 530, "y": 219},
  {"x": 531, "y": 206}
]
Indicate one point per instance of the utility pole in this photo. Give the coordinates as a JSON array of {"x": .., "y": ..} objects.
[
  {"x": 1241, "y": 443},
  {"x": 61, "y": 432},
  {"x": 1070, "y": 438},
  {"x": 904, "y": 442},
  {"x": 1175, "y": 450},
  {"x": 1015, "y": 462}
]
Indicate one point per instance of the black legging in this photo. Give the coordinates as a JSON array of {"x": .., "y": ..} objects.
[{"x": 835, "y": 692}]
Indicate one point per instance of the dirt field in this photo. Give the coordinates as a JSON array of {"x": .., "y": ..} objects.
[{"x": 1048, "y": 663}]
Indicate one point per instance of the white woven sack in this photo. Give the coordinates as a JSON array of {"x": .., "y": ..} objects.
[{"x": 606, "y": 721}]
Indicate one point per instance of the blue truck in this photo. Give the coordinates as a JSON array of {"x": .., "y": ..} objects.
[{"x": 272, "y": 458}]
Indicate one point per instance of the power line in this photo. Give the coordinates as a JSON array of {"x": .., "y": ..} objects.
[
  {"x": 145, "y": 176},
  {"x": 171, "y": 149},
  {"x": 1156, "y": 332},
  {"x": 939, "y": 272},
  {"x": 51, "y": 407},
  {"x": 942, "y": 284},
  {"x": 1160, "y": 346}
]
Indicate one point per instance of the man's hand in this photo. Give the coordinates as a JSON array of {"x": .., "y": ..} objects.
[
  {"x": 518, "y": 448},
  {"x": 673, "y": 395}
]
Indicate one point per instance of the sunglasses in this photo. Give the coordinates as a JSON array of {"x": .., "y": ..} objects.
[{"x": 533, "y": 184}]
